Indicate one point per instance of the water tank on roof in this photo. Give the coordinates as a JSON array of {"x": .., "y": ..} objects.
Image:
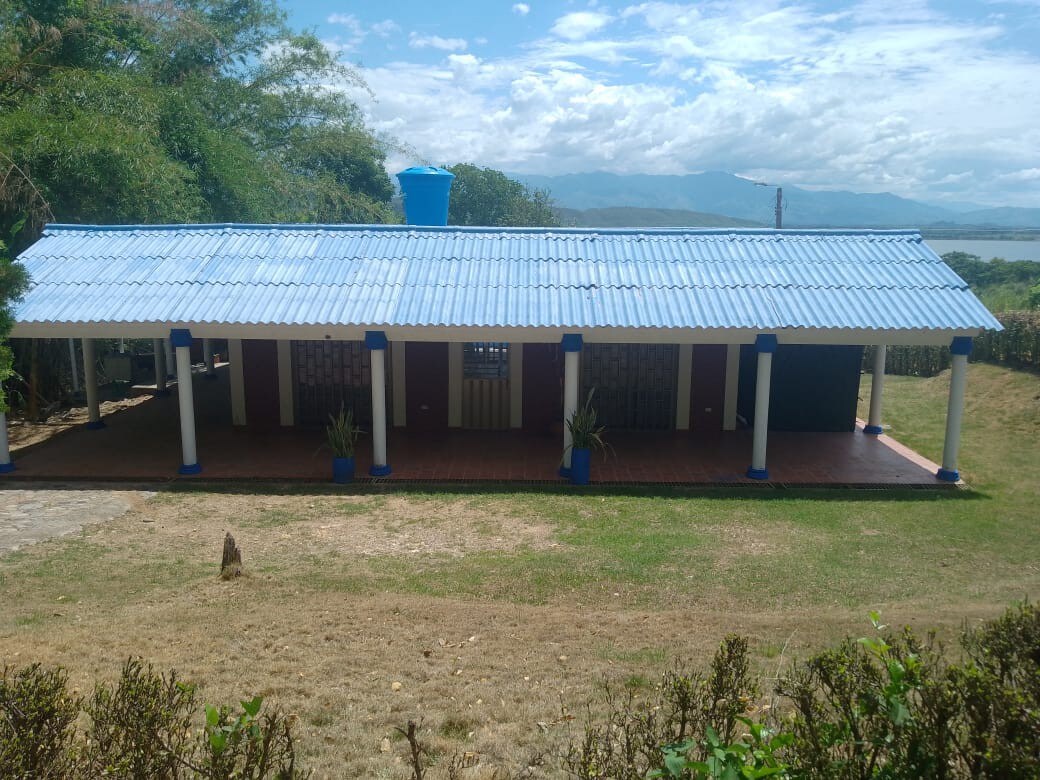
[{"x": 425, "y": 190}]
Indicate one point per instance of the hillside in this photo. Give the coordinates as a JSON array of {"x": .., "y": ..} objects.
[{"x": 629, "y": 216}]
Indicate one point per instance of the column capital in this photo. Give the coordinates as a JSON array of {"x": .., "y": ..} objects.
[
  {"x": 961, "y": 345},
  {"x": 765, "y": 342},
  {"x": 180, "y": 337},
  {"x": 572, "y": 342},
  {"x": 375, "y": 339}
]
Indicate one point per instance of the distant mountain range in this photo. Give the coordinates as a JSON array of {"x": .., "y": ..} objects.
[{"x": 720, "y": 196}]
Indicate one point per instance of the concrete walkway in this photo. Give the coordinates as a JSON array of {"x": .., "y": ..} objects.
[{"x": 30, "y": 516}]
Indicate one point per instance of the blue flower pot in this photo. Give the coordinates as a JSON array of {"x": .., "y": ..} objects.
[
  {"x": 342, "y": 470},
  {"x": 580, "y": 466}
]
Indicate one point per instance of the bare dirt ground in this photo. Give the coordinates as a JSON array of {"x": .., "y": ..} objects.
[{"x": 313, "y": 628}]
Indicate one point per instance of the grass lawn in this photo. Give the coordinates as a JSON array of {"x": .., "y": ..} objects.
[{"x": 498, "y": 611}]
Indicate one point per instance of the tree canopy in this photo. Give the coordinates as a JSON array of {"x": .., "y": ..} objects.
[
  {"x": 484, "y": 196},
  {"x": 176, "y": 111}
]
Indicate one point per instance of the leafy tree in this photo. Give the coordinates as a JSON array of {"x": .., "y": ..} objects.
[
  {"x": 484, "y": 196},
  {"x": 179, "y": 111},
  {"x": 13, "y": 283}
]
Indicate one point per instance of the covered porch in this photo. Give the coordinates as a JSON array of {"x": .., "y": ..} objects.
[{"x": 144, "y": 443}]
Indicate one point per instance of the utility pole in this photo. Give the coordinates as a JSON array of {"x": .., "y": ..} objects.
[{"x": 779, "y": 209}]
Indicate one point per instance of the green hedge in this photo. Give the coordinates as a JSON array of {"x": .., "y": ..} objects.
[{"x": 1017, "y": 345}]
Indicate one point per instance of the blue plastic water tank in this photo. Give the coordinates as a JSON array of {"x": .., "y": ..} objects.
[{"x": 425, "y": 190}]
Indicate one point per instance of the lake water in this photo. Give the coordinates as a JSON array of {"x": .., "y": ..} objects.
[{"x": 987, "y": 250}]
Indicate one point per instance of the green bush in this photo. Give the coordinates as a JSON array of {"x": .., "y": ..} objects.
[
  {"x": 891, "y": 705},
  {"x": 142, "y": 727}
]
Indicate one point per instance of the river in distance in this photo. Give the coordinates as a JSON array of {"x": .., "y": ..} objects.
[{"x": 987, "y": 250}]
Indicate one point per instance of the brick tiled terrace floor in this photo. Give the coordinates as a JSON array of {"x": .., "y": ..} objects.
[{"x": 143, "y": 443}]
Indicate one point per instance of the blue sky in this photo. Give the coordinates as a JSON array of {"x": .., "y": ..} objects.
[{"x": 933, "y": 100}]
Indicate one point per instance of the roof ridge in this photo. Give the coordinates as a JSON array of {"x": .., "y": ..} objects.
[{"x": 468, "y": 229}]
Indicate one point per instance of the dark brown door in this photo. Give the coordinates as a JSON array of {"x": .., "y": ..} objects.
[
  {"x": 426, "y": 386},
  {"x": 260, "y": 377},
  {"x": 543, "y": 388},
  {"x": 708, "y": 387}
]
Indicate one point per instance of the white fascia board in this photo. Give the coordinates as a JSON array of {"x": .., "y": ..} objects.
[{"x": 507, "y": 334}]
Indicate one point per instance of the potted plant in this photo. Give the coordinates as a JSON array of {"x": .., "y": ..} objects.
[
  {"x": 586, "y": 435},
  {"x": 342, "y": 437}
]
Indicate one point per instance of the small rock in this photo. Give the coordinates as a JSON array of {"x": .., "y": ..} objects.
[
  {"x": 395, "y": 686},
  {"x": 384, "y": 746}
]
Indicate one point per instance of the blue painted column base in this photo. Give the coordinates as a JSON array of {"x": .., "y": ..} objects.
[
  {"x": 874, "y": 430},
  {"x": 564, "y": 472},
  {"x": 210, "y": 377},
  {"x": 379, "y": 471},
  {"x": 6, "y": 468},
  {"x": 948, "y": 475},
  {"x": 754, "y": 473},
  {"x": 96, "y": 425},
  {"x": 187, "y": 469}
]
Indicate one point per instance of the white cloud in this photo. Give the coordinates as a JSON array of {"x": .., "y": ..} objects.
[
  {"x": 417, "y": 41},
  {"x": 521, "y": 9},
  {"x": 580, "y": 24},
  {"x": 386, "y": 28},
  {"x": 876, "y": 97}
]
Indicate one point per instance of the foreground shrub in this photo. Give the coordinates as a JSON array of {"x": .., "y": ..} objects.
[
  {"x": 890, "y": 706},
  {"x": 142, "y": 727}
]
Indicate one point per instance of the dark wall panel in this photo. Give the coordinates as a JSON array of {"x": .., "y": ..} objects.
[{"x": 814, "y": 387}]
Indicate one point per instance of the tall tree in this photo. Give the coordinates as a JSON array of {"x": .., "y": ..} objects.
[
  {"x": 178, "y": 111},
  {"x": 484, "y": 196}
]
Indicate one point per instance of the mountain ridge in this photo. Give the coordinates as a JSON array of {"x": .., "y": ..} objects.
[{"x": 720, "y": 194}]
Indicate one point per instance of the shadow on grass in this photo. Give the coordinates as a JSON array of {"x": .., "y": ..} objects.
[{"x": 737, "y": 492}]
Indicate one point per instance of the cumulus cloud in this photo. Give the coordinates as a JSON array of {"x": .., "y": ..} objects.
[
  {"x": 880, "y": 95},
  {"x": 580, "y": 24},
  {"x": 521, "y": 9},
  {"x": 418, "y": 41},
  {"x": 386, "y": 28}
]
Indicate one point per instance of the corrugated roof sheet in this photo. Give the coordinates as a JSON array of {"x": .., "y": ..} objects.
[{"x": 375, "y": 276}]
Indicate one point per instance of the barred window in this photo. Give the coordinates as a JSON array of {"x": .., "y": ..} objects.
[{"x": 485, "y": 360}]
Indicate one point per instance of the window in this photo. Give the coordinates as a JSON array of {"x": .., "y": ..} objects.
[{"x": 485, "y": 360}]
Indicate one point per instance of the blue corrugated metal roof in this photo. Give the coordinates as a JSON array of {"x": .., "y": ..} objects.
[{"x": 378, "y": 276}]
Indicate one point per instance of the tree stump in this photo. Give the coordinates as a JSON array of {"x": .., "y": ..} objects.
[{"x": 231, "y": 562}]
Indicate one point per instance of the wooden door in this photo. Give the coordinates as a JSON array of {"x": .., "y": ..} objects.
[
  {"x": 260, "y": 377},
  {"x": 426, "y": 385},
  {"x": 708, "y": 387},
  {"x": 543, "y": 388}
]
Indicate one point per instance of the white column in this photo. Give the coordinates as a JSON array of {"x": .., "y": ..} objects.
[
  {"x": 960, "y": 348},
  {"x": 186, "y": 403},
  {"x": 238, "y": 382},
  {"x": 73, "y": 366},
  {"x": 765, "y": 346},
  {"x": 877, "y": 389},
  {"x": 286, "y": 412},
  {"x": 207, "y": 356},
  {"x": 6, "y": 466},
  {"x": 159, "y": 356},
  {"x": 572, "y": 345},
  {"x": 171, "y": 364},
  {"x": 400, "y": 389},
  {"x": 94, "y": 421},
  {"x": 455, "y": 375},
  {"x": 516, "y": 385},
  {"x": 683, "y": 388},
  {"x": 729, "y": 407},
  {"x": 376, "y": 342}
]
